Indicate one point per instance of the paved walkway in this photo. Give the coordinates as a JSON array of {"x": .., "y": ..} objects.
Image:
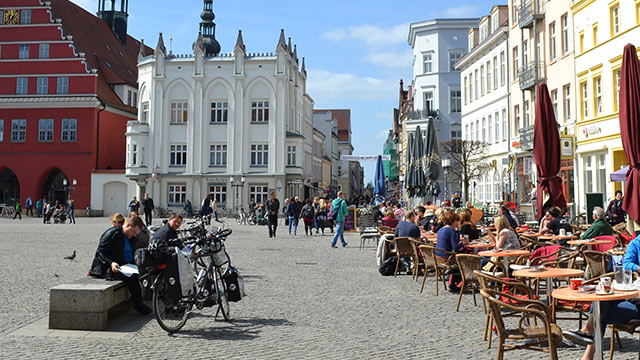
[{"x": 304, "y": 300}]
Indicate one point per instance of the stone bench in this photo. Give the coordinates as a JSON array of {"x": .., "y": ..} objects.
[{"x": 85, "y": 304}]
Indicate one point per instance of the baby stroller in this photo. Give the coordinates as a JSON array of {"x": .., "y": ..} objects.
[
  {"x": 59, "y": 216},
  {"x": 259, "y": 217}
]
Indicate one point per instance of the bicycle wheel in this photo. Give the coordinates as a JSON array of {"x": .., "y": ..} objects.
[
  {"x": 223, "y": 298},
  {"x": 170, "y": 314}
]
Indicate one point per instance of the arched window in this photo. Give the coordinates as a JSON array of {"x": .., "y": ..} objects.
[{"x": 497, "y": 195}]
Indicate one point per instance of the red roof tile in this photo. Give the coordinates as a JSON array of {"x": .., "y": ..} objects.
[{"x": 116, "y": 63}]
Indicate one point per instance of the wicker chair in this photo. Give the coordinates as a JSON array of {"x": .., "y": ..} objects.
[
  {"x": 506, "y": 286},
  {"x": 428, "y": 253},
  {"x": 467, "y": 265},
  {"x": 631, "y": 327},
  {"x": 531, "y": 312},
  {"x": 581, "y": 307},
  {"x": 596, "y": 263},
  {"x": 405, "y": 247}
]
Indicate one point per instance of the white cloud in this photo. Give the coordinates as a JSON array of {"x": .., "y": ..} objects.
[
  {"x": 327, "y": 85},
  {"x": 391, "y": 59},
  {"x": 462, "y": 11},
  {"x": 373, "y": 36}
]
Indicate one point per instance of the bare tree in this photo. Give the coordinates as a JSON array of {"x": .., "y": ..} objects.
[{"x": 467, "y": 160}]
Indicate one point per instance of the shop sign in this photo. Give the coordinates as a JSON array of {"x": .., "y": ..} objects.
[
  {"x": 601, "y": 129},
  {"x": 217, "y": 180},
  {"x": 567, "y": 146}
]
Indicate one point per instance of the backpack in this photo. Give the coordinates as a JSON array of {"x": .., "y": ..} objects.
[
  {"x": 307, "y": 213},
  {"x": 388, "y": 267},
  {"x": 334, "y": 211}
]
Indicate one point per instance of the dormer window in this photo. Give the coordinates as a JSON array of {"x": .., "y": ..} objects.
[
  {"x": 494, "y": 22},
  {"x": 484, "y": 31},
  {"x": 471, "y": 35}
]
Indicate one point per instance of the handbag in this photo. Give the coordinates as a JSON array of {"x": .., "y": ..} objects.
[{"x": 286, "y": 220}]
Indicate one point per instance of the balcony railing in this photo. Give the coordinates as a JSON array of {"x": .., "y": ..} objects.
[
  {"x": 423, "y": 114},
  {"x": 531, "y": 75},
  {"x": 529, "y": 12}
]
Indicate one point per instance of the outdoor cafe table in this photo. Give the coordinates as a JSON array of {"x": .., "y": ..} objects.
[
  {"x": 567, "y": 293},
  {"x": 504, "y": 254},
  {"x": 617, "y": 252},
  {"x": 547, "y": 274},
  {"x": 589, "y": 243},
  {"x": 479, "y": 245},
  {"x": 557, "y": 237}
]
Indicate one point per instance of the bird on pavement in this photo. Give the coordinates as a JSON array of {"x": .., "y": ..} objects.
[{"x": 71, "y": 257}]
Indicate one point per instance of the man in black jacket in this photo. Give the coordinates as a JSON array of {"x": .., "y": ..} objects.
[
  {"x": 117, "y": 247},
  {"x": 273, "y": 207},
  {"x": 169, "y": 230},
  {"x": 147, "y": 206}
]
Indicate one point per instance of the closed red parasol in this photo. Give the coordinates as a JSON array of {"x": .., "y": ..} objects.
[
  {"x": 630, "y": 128},
  {"x": 546, "y": 151}
]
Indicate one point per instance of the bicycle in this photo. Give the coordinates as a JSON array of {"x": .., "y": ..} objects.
[
  {"x": 160, "y": 212},
  {"x": 241, "y": 217},
  {"x": 209, "y": 260}
]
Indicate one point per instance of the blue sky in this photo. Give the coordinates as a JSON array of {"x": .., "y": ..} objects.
[{"x": 356, "y": 51}]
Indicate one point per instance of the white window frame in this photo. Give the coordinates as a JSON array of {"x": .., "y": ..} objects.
[
  {"x": 584, "y": 88},
  {"x": 428, "y": 99},
  {"x": 259, "y": 111},
  {"x": 564, "y": 20},
  {"x": 218, "y": 193},
  {"x": 554, "y": 102},
  {"x": 615, "y": 17},
  {"x": 484, "y": 31},
  {"x": 69, "y": 130},
  {"x": 291, "y": 155},
  {"x": 219, "y": 112},
  {"x": 18, "y": 130},
  {"x": 566, "y": 97},
  {"x": 466, "y": 90},
  {"x": 145, "y": 112},
  {"x": 597, "y": 87},
  {"x": 259, "y": 192},
  {"x": 42, "y": 85},
  {"x": 218, "y": 155},
  {"x": 527, "y": 117},
  {"x": 427, "y": 63},
  {"x": 1, "y": 130},
  {"x": 62, "y": 85},
  {"x": 489, "y": 128},
  {"x": 179, "y": 110},
  {"x": 495, "y": 72},
  {"x": 496, "y": 120},
  {"x": 477, "y": 89},
  {"x": 482, "y": 81},
  {"x": 455, "y": 101},
  {"x": 552, "y": 41},
  {"x": 23, "y": 51},
  {"x": 22, "y": 86},
  {"x": 503, "y": 69},
  {"x": 454, "y": 56},
  {"x": 43, "y": 51},
  {"x": 45, "y": 130},
  {"x": 25, "y": 16},
  {"x": 177, "y": 194},
  {"x": 260, "y": 155},
  {"x": 494, "y": 21},
  {"x": 516, "y": 111},
  {"x": 488, "y": 69},
  {"x": 178, "y": 155},
  {"x": 504, "y": 125}
]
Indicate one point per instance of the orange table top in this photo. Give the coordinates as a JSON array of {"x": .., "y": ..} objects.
[
  {"x": 557, "y": 237},
  {"x": 504, "y": 253},
  {"x": 481, "y": 245},
  {"x": 549, "y": 273},
  {"x": 530, "y": 234},
  {"x": 617, "y": 252},
  {"x": 588, "y": 242},
  {"x": 566, "y": 293}
]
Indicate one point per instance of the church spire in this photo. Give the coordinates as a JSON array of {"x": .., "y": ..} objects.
[
  {"x": 160, "y": 46},
  {"x": 304, "y": 68},
  {"x": 240, "y": 42},
  {"x": 208, "y": 29},
  {"x": 281, "y": 43},
  {"x": 141, "y": 52}
]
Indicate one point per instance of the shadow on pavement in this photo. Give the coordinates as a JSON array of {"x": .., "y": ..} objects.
[{"x": 239, "y": 329}]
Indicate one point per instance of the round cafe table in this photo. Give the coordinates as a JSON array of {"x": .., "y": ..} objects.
[
  {"x": 617, "y": 252},
  {"x": 587, "y": 242},
  {"x": 504, "y": 254},
  {"x": 547, "y": 274},
  {"x": 557, "y": 237},
  {"x": 429, "y": 237},
  {"x": 479, "y": 245},
  {"x": 566, "y": 293}
]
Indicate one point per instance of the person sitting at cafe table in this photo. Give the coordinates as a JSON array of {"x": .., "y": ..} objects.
[
  {"x": 611, "y": 312},
  {"x": 467, "y": 227},
  {"x": 599, "y": 227},
  {"x": 423, "y": 220},
  {"x": 504, "y": 211},
  {"x": 506, "y": 238},
  {"x": 407, "y": 227},
  {"x": 389, "y": 220},
  {"x": 438, "y": 220},
  {"x": 554, "y": 222},
  {"x": 448, "y": 236}
]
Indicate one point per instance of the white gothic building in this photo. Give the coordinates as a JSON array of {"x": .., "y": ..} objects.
[{"x": 235, "y": 126}]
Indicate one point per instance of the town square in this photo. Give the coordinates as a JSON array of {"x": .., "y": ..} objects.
[{"x": 297, "y": 180}]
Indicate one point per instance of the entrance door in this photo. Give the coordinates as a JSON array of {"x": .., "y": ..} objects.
[{"x": 115, "y": 199}]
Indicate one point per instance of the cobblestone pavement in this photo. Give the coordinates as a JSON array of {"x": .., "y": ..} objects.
[{"x": 304, "y": 300}]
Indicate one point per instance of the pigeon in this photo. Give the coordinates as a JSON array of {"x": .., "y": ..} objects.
[
  {"x": 56, "y": 275},
  {"x": 71, "y": 257}
]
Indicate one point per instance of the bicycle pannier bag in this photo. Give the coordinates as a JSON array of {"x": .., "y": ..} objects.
[
  {"x": 235, "y": 284},
  {"x": 185, "y": 271}
]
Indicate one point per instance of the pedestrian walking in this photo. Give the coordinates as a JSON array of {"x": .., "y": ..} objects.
[
  {"x": 188, "y": 208},
  {"x": 39, "y": 207},
  {"x": 28, "y": 204},
  {"x": 339, "y": 212},
  {"x": 307, "y": 215},
  {"x": 273, "y": 208},
  {"x": 205, "y": 208},
  {"x": 18, "y": 211},
  {"x": 147, "y": 207},
  {"x": 293, "y": 213},
  {"x": 72, "y": 207},
  {"x": 134, "y": 205}
]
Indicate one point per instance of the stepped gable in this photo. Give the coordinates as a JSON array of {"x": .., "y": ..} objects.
[{"x": 116, "y": 63}]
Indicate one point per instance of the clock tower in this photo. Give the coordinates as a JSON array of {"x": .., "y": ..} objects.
[
  {"x": 208, "y": 29},
  {"x": 116, "y": 17}
]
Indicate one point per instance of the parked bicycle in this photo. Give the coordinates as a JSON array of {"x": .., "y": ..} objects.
[
  {"x": 193, "y": 270},
  {"x": 161, "y": 212}
]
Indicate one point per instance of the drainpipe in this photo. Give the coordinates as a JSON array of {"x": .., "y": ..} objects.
[{"x": 104, "y": 106}]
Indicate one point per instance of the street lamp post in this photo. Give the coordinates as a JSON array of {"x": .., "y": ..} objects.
[
  {"x": 68, "y": 187},
  {"x": 445, "y": 165},
  {"x": 236, "y": 185}
]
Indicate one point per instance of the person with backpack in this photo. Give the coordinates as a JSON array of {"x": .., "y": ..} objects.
[
  {"x": 18, "y": 211},
  {"x": 307, "y": 215},
  {"x": 273, "y": 207},
  {"x": 338, "y": 214},
  {"x": 293, "y": 213}
]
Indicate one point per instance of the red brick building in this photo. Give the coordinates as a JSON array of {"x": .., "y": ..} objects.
[{"x": 68, "y": 86}]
